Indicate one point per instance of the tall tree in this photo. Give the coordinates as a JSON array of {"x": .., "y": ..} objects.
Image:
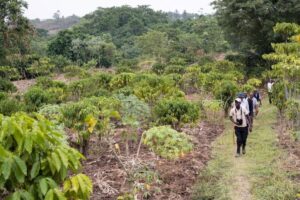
[
  {"x": 248, "y": 23},
  {"x": 14, "y": 29}
]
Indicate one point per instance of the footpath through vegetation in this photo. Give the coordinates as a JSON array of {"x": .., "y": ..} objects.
[{"x": 257, "y": 175}]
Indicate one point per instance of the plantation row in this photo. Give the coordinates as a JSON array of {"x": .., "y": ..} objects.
[{"x": 96, "y": 103}]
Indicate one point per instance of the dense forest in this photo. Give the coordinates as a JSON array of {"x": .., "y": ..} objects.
[{"x": 105, "y": 106}]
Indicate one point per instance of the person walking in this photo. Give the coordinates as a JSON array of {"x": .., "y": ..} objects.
[
  {"x": 239, "y": 117},
  {"x": 269, "y": 87},
  {"x": 257, "y": 97},
  {"x": 251, "y": 110}
]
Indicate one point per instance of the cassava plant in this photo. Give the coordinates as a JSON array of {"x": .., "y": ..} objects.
[{"x": 167, "y": 142}]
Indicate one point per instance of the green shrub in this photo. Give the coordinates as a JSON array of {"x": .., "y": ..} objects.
[
  {"x": 36, "y": 160},
  {"x": 121, "y": 80},
  {"x": 176, "y": 69},
  {"x": 75, "y": 71},
  {"x": 60, "y": 62},
  {"x": 166, "y": 142},
  {"x": 7, "y": 86},
  {"x": 80, "y": 88},
  {"x": 124, "y": 70},
  {"x": 175, "y": 112},
  {"x": 158, "y": 68},
  {"x": 36, "y": 97},
  {"x": 278, "y": 96},
  {"x": 90, "y": 115},
  {"x": 213, "y": 110},
  {"x": 10, "y": 73},
  {"x": 248, "y": 88},
  {"x": 3, "y": 96},
  {"x": 46, "y": 82},
  {"x": 9, "y": 106},
  {"x": 52, "y": 113},
  {"x": 226, "y": 92},
  {"x": 254, "y": 82},
  {"x": 41, "y": 67},
  {"x": 133, "y": 111}
]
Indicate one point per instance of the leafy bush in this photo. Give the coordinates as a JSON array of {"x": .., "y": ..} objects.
[
  {"x": 153, "y": 88},
  {"x": 35, "y": 160},
  {"x": 166, "y": 142},
  {"x": 248, "y": 88},
  {"x": 226, "y": 92},
  {"x": 36, "y": 97},
  {"x": 213, "y": 111},
  {"x": 121, "y": 80},
  {"x": 52, "y": 113},
  {"x": 7, "y": 86},
  {"x": 133, "y": 111},
  {"x": 278, "y": 96},
  {"x": 81, "y": 88},
  {"x": 254, "y": 82},
  {"x": 75, "y": 71},
  {"x": 41, "y": 67},
  {"x": 175, "y": 112},
  {"x": 10, "y": 73},
  {"x": 9, "y": 106},
  {"x": 176, "y": 69},
  {"x": 124, "y": 70},
  {"x": 91, "y": 115},
  {"x": 3, "y": 96},
  {"x": 158, "y": 68},
  {"x": 60, "y": 62},
  {"x": 46, "y": 82}
]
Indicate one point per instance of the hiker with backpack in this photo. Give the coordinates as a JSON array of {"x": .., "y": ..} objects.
[
  {"x": 239, "y": 116},
  {"x": 257, "y": 97}
]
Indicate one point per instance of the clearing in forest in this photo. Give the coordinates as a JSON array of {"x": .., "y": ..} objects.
[{"x": 258, "y": 175}]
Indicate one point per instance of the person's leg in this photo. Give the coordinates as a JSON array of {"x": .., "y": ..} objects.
[
  {"x": 239, "y": 141},
  {"x": 270, "y": 97},
  {"x": 244, "y": 139},
  {"x": 250, "y": 122}
]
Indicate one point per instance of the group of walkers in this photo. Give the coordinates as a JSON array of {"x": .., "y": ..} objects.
[{"x": 242, "y": 114}]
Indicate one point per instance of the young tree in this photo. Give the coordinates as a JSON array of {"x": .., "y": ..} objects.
[{"x": 14, "y": 29}]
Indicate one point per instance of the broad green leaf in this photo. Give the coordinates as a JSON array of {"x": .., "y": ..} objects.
[
  {"x": 28, "y": 144},
  {"x": 18, "y": 173},
  {"x": 21, "y": 164},
  {"x": 75, "y": 184},
  {"x": 35, "y": 170},
  {"x": 63, "y": 158},
  {"x": 59, "y": 195},
  {"x": 26, "y": 195},
  {"x": 6, "y": 168},
  {"x": 49, "y": 195},
  {"x": 43, "y": 186},
  {"x": 56, "y": 160}
]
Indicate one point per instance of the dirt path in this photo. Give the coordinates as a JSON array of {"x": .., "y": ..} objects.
[{"x": 255, "y": 176}]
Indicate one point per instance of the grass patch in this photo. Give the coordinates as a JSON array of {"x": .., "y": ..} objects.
[{"x": 260, "y": 167}]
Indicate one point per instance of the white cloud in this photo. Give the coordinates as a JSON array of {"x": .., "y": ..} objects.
[{"x": 45, "y": 8}]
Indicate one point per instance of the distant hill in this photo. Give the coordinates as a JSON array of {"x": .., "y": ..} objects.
[{"x": 53, "y": 26}]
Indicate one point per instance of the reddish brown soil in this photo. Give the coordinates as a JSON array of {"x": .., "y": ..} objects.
[
  {"x": 293, "y": 151},
  {"x": 23, "y": 85},
  {"x": 177, "y": 177}
]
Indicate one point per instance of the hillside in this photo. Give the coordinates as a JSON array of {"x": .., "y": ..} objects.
[{"x": 53, "y": 26}]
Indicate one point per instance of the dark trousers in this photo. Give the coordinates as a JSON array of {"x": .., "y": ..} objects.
[
  {"x": 270, "y": 97},
  {"x": 241, "y": 137}
]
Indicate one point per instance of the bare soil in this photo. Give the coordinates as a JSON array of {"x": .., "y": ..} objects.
[
  {"x": 292, "y": 161},
  {"x": 176, "y": 177}
]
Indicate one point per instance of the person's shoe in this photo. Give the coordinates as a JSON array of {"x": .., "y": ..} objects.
[
  {"x": 244, "y": 151},
  {"x": 237, "y": 155}
]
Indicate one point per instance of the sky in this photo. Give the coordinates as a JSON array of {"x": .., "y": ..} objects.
[{"x": 44, "y": 9}]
